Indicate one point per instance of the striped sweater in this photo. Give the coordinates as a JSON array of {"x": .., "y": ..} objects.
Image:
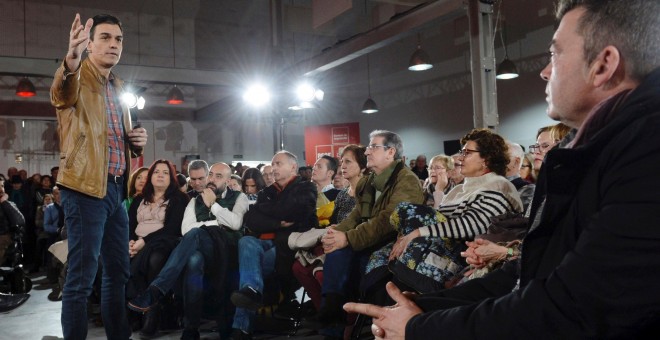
[{"x": 469, "y": 206}]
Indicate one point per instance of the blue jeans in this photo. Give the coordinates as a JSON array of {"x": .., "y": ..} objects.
[
  {"x": 195, "y": 240},
  {"x": 256, "y": 259},
  {"x": 96, "y": 227},
  {"x": 342, "y": 267}
]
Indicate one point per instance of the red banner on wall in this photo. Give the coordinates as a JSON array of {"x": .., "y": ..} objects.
[{"x": 329, "y": 140}]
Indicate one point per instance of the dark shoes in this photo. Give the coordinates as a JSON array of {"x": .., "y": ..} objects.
[
  {"x": 331, "y": 314},
  {"x": 248, "y": 298},
  {"x": 190, "y": 334},
  {"x": 55, "y": 295},
  {"x": 238, "y": 334},
  {"x": 147, "y": 300},
  {"x": 151, "y": 321},
  {"x": 10, "y": 302}
]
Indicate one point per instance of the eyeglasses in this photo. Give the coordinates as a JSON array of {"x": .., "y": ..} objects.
[
  {"x": 539, "y": 147},
  {"x": 464, "y": 152},
  {"x": 373, "y": 146}
]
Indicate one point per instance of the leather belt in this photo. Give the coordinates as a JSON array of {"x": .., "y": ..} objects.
[{"x": 115, "y": 179}]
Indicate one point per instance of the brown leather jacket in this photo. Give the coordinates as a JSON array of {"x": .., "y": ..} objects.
[{"x": 83, "y": 129}]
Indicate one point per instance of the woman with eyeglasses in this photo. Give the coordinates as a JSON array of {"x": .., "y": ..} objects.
[
  {"x": 546, "y": 139},
  {"x": 427, "y": 252},
  {"x": 438, "y": 183},
  {"x": 483, "y": 255}
]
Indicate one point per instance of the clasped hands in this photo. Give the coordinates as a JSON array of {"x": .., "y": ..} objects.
[
  {"x": 481, "y": 252},
  {"x": 135, "y": 246}
]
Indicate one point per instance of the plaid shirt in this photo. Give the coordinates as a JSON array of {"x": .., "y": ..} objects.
[{"x": 113, "y": 109}]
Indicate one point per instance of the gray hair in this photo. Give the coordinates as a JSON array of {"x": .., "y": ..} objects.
[
  {"x": 632, "y": 26},
  {"x": 292, "y": 158},
  {"x": 515, "y": 151},
  {"x": 198, "y": 164},
  {"x": 390, "y": 139}
]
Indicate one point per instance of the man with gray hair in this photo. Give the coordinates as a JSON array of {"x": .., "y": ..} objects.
[
  {"x": 289, "y": 205},
  {"x": 588, "y": 268},
  {"x": 367, "y": 228},
  {"x": 198, "y": 172},
  {"x": 525, "y": 189}
]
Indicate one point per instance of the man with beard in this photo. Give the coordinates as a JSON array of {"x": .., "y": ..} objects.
[{"x": 210, "y": 229}]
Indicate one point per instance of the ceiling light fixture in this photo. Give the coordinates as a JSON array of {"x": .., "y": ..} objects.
[
  {"x": 369, "y": 105},
  {"x": 506, "y": 69},
  {"x": 175, "y": 97},
  {"x": 420, "y": 60},
  {"x": 25, "y": 88}
]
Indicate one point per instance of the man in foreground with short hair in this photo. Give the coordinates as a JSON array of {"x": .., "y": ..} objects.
[
  {"x": 97, "y": 141},
  {"x": 588, "y": 267}
]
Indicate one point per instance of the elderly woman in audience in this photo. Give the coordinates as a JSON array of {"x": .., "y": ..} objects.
[
  {"x": 427, "y": 253},
  {"x": 155, "y": 218},
  {"x": 136, "y": 184},
  {"x": 527, "y": 168},
  {"x": 483, "y": 255},
  {"x": 253, "y": 182},
  {"x": 438, "y": 183}
]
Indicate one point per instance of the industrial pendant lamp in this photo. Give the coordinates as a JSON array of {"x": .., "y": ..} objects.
[
  {"x": 25, "y": 88},
  {"x": 175, "y": 97},
  {"x": 369, "y": 106},
  {"x": 420, "y": 60},
  {"x": 506, "y": 69}
]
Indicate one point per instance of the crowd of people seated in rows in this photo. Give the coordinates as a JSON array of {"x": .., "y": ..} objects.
[{"x": 481, "y": 250}]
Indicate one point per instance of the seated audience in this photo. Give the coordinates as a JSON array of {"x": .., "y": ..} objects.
[
  {"x": 309, "y": 267},
  {"x": 198, "y": 172},
  {"x": 154, "y": 221},
  {"x": 135, "y": 186},
  {"x": 286, "y": 206},
  {"x": 323, "y": 173},
  {"x": 420, "y": 169},
  {"x": 349, "y": 244},
  {"x": 427, "y": 252},
  {"x": 206, "y": 254},
  {"x": 586, "y": 269},
  {"x": 527, "y": 168},
  {"x": 525, "y": 189},
  {"x": 236, "y": 183},
  {"x": 253, "y": 182},
  {"x": 438, "y": 180}
]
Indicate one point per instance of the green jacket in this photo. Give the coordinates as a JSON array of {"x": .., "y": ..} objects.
[{"x": 369, "y": 222}]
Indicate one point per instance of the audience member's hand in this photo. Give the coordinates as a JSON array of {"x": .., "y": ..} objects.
[
  {"x": 285, "y": 224},
  {"x": 442, "y": 181},
  {"x": 480, "y": 252},
  {"x": 402, "y": 243},
  {"x": 334, "y": 240},
  {"x": 208, "y": 195},
  {"x": 388, "y": 322},
  {"x": 130, "y": 248},
  {"x": 135, "y": 247},
  {"x": 138, "y": 137}
]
